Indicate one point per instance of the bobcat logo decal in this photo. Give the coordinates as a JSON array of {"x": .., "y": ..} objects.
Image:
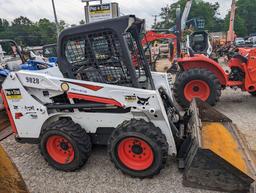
[{"x": 143, "y": 101}]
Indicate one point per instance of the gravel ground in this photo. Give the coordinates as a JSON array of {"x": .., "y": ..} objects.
[{"x": 99, "y": 174}]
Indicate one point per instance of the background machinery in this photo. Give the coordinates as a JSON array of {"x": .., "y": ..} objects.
[
  {"x": 50, "y": 52},
  {"x": 199, "y": 42},
  {"x": 204, "y": 78},
  {"x": 13, "y": 58},
  {"x": 159, "y": 46},
  {"x": 231, "y": 34},
  {"x": 105, "y": 99}
]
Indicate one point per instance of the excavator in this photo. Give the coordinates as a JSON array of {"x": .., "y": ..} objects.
[{"x": 168, "y": 49}]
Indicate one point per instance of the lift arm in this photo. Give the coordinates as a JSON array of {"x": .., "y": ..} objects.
[{"x": 186, "y": 14}]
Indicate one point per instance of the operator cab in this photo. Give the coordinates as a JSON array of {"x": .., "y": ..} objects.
[
  {"x": 199, "y": 43},
  {"x": 110, "y": 54}
]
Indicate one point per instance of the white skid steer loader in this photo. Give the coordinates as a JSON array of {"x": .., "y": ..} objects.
[{"x": 106, "y": 98}]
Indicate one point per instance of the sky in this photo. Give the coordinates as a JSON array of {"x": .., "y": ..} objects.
[{"x": 72, "y": 11}]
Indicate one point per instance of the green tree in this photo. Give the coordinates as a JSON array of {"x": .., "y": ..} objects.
[
  {"x": 22, "y": 21},
  {"x": 4, "y": 24},
  {"x": 63, "y": 25},
  {"x": 239, "y": 25},
  {"x": 199, "y": 10},
  {"x": 47, "y": 31},
  {"x": 245, "y": 17},
  {"x": 24, "y": 31},
  {"x": 244, "y": 23}
]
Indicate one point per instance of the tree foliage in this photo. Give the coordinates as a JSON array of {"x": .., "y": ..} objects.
[
  {"x": 200, "y": 10},
  {"x": 244, "y": 21},
  {"x": 28, "y": 33},
  {"x": 245, "y": 18}
]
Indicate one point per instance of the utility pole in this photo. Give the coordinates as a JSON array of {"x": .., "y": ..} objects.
[
  {"x": 155, "y": 20},
  {"x": 56, "y": 19},
  {"x": 178, "y": 31}
]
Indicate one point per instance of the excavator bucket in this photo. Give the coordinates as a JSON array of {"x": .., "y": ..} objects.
[
  {"x": 217, "y": 156},
  {"x": 10, "y": 178}
]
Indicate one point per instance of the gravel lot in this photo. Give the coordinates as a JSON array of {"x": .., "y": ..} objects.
[{"x": 99, "y": 174}]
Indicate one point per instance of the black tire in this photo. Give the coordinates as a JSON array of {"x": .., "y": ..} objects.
[
  {"x": 253, "y": 93},
  {"x": 197, "y": 74},
  {"x": 145, "y": 132},
  {"x": 75, "y": 135}
]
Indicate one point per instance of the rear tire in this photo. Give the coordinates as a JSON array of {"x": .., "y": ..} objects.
[
  {"x": 65, "y": 145},
  {"x": 138, "y": 148},
  {"x": 196, "y": 83}
]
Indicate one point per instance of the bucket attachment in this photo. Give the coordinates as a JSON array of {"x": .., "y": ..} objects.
[
  {"x": 10, "y": 178},
  {"x": 217, "y": 157}
]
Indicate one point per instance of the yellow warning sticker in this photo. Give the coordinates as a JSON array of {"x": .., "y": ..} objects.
[{"x": 13, "y": 94}]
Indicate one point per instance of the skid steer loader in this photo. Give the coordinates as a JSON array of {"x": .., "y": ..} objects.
[{"x": 105, "y": 99}]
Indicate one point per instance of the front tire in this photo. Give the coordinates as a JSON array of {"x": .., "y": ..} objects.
[
  {"x": 197, "y": 83},
  {"x": 65, "y": 145},
  {"x": 138, "y": 148}
]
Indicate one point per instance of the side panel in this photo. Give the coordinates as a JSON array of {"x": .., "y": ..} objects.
[
  {"x": 30, "y": 113},
  {"x": 200, "y": 61}
]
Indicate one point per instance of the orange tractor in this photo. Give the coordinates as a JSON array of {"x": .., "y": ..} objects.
[{"x": 202, "y": 77}]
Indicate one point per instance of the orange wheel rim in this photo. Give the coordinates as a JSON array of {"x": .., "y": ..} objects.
[
  {"x": 60, "y": 149},
  {"x": 197, "y": 89},
  {"x": 135, "y": 153}
]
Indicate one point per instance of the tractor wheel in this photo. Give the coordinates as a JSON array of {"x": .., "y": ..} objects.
[
  {"x": 253, "y": 93},
  {"x": 65, "y": 145},
  {"x": 197, "y": 83},
  {"x": 138, "y": 148}
]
